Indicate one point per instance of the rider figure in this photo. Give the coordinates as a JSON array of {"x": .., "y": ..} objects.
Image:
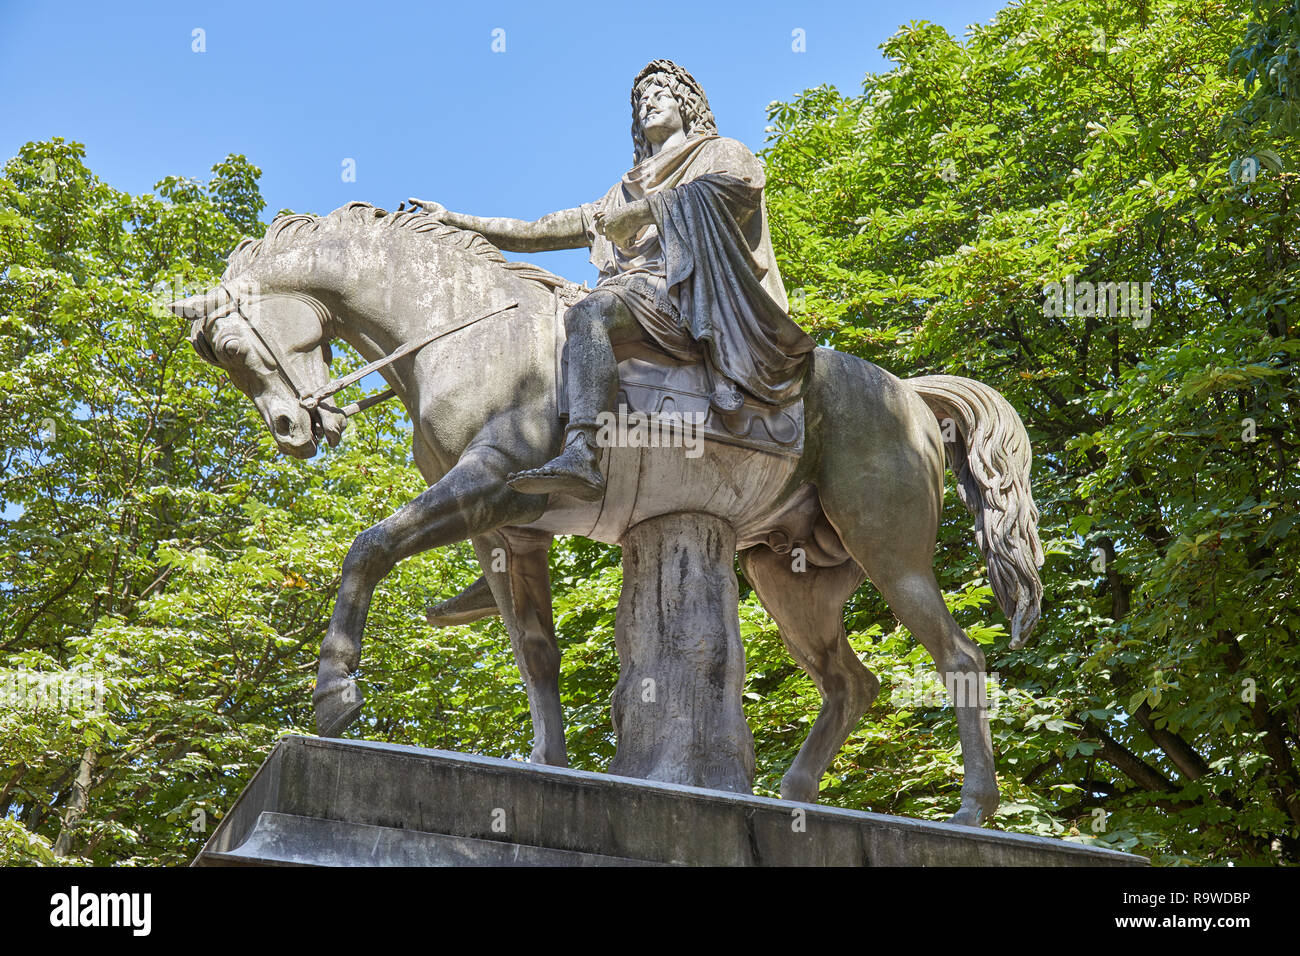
[{"x": 686, "y": 267}]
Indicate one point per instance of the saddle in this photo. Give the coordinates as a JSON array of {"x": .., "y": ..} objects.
[{"x": 654, "y": 384}]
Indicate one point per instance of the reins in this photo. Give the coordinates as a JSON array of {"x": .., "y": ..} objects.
[{"x": 314, "y": 399}]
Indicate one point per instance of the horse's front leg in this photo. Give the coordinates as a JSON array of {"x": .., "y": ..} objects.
[{"x": 471, "y": 499}]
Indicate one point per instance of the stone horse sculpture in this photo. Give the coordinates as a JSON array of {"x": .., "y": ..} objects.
[{"x": 468, "y": 343}]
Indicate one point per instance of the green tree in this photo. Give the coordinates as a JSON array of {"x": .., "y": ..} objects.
[{"x": 1268, "y": 60}]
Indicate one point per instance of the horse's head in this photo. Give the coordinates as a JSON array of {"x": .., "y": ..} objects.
[{"x": 275, "y": 348}]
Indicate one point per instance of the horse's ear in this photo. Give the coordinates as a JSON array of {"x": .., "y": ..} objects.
[
  {"x": 195, "y": 307},
  {"x": 200, "y": 306}
]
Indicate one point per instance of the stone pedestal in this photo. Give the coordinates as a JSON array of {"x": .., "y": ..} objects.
[
  {"x": 677, "y": 707},
  {"x": 320, "y": 802}
]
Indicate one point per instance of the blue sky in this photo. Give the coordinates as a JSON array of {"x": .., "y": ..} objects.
[{"x": 413, "y": 92}]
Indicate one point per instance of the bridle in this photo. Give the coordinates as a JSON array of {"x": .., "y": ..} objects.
[{"x": 314, "y": 400}]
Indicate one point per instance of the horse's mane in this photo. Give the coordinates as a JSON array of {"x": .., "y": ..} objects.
[{"x": 288, "y": 230}]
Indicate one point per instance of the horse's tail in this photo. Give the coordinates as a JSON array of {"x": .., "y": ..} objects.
[{"x": 988, "y": 449}]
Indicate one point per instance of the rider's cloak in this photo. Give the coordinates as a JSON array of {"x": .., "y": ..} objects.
[{"x": 710, "y": 252}]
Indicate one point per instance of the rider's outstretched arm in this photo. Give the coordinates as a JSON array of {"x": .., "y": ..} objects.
[{"x": 557, "y": 230}]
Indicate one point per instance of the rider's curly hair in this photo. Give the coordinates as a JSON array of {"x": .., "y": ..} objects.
[{"x": 697, "y": 118}]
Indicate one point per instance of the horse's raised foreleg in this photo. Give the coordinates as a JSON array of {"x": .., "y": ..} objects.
[
  {"x": 471, "y": 499},
  {"x": 808, "y": 607},
  {"x": 515, "y": 565}
]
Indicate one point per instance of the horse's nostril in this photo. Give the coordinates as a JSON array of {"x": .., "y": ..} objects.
[{"x": 283, "y": 425}]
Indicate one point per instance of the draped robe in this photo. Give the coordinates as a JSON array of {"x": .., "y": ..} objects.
[{"x": 704, "y": 276}]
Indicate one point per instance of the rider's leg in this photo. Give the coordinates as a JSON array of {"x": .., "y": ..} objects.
[{"x": 595, "y": 328}]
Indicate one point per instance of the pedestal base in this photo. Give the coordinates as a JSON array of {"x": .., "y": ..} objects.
[{"x": 320, "y": 802}]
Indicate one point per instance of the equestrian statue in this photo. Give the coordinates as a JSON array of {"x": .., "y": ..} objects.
[{"x": 819, "y": 468}]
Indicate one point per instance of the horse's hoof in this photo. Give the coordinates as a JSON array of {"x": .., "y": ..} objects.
[
  {"x": 549, "y": 758},
  {"x": 968, "y": 816},
  {"x": 799, "y": 788},
  {"x": 336, "y": 707},
  {"x": 472, "y": 604}
]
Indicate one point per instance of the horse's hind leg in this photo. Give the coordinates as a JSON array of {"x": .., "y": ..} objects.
[
  {"x": 898, "y": 559},
  {"x": 914, "y": 596},
  {"x": 808, "y": 607},
  {"x": 514, "y": 562},
  {"x": 882, "y": 488}
]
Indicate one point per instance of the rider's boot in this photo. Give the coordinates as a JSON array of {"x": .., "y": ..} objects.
[
  {"x": 592, "y": 387},
  {"x": 575, "y": 471}
]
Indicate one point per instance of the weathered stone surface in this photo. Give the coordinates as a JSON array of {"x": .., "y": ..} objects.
[
  {"x": 677, "y": 706},
  {"x": 337, "y": 802},
  {"x": 282, "y": 839}
]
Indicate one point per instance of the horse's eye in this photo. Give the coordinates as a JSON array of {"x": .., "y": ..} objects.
[{"x": 233, "y": 348}]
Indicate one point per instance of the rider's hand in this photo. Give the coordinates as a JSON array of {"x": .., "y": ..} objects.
[
  {"x": 436, "y": 209},
  {"x": 622, "y": 224}
]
